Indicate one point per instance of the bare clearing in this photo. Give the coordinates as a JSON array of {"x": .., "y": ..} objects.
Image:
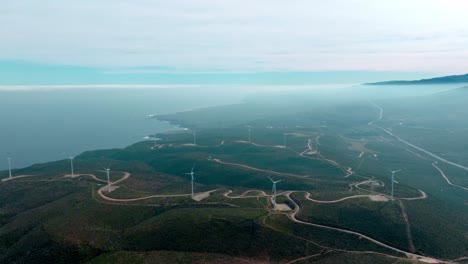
[
  {"x": 283, "y": 207},
  {"x": 360, "y": 146},
  {"x": 200, "y": 196},
  {"x": 378, "y": 198}
]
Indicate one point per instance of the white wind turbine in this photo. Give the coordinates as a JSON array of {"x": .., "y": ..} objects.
[
  {"x": 9, "y": 167},
  {"x": 194, "y": 137},
  {"x": 393, "y": 180},
  {"x": 273, "y": 190},
  {"x": 154, "y": 139},
  {"x": 71, "y": 165},
  {"x": 108, "y": 178},
  {"x": 192, "y": 173}
]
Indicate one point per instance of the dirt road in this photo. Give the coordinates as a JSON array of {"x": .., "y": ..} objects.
[{"x": 409, "y": 255}]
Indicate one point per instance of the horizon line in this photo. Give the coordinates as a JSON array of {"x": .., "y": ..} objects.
[{"x": 156, "y": 86}]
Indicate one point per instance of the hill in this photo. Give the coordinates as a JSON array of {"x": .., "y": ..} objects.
[
  {"x": 453, "y": 79},
  {"x": 333, "y": 200}
]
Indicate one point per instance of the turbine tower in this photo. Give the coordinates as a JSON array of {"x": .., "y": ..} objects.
[
  {"x": 108, "y": 179},
  {"x": 393, "y": 180},
  {"x": 192, "y": 173},
  {"x": 9, "y": 167},
  {"x": 194, "y": 137},
  {"x": 71, "y": 165},
  {"x": 273, "y": 190}
]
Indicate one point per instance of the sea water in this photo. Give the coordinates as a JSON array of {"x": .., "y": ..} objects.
[{"x": 41, "y": 124}]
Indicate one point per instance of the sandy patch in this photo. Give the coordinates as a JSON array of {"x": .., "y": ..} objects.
[
  {"x": 74, "y": 176},
  {"x": 378, "y": 198},
  {"x": 112, "y": 188},
  {"x": 360, "y": 146},
  {"x": 283, "y": 207},
  {"x": 200, "y": 196},
  {"x": 428, "y": 260}
]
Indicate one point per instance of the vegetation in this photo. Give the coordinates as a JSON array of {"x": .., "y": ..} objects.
[{"x": 61, "y": 219}]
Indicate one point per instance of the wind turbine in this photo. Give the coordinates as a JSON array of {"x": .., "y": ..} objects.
[
  {"x": 273, "y": 190},
  {"x": 71, "y": 165},
  {"x": 154, "y": 139},
  {"x": 9, "y": 166},
  {"x": 249, "y": 134},
  {"x": 192, "y": 173},
  {"x": 194, "y": 137},
  {"x": 108, "y": 179},
  {"x": 393, "y": 179}
]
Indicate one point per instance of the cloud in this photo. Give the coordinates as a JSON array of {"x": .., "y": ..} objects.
[{"x": 234, "y": 35}]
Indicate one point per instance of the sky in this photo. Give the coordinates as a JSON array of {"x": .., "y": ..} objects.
[{"x": 409, "y": 38}]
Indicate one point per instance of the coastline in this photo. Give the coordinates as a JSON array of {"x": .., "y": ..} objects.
[{"x": 70, "y": 124}]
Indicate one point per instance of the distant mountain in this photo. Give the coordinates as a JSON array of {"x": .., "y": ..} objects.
[{"x": 439, "y": 80}]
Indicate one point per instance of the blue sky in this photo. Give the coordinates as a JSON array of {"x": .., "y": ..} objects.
[{"x": 125, "y": 41}]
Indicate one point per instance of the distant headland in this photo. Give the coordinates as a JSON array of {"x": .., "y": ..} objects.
[{"x": 453, "y": 79}]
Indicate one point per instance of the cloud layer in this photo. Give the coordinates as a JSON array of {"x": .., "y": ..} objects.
[{"x": 239, "y": 35}]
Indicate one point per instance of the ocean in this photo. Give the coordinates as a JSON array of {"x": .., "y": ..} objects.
[{"x": 41, "y": 124}]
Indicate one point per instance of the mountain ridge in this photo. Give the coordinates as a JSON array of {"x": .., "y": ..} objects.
[{"x": 451, "y": 79}]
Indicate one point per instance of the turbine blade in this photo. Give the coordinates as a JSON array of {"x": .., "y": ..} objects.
[
  {"x": 193, "y": 166},
  {"x": 271, "y": 179}
]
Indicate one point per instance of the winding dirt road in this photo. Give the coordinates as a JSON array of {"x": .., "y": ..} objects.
[
  {"x": 245, "y": 195},
  {"x": 259, "y": 145},
  {"x": 446, "y": 178},
  {"x": 89, "y": 175},
  {"x": 310, "y": 150},
  {"x": 16, "y": 177},
  {"x": 412, "y": 145},
  {"x": 379, "y": 197},
  {"x": 409, "y": 255},
  {"x": 257, "y": 169},
  {"x": 127, "y": 175},
  {"x": 423, "y": 196},
  {"x": 409, "y": 236}
]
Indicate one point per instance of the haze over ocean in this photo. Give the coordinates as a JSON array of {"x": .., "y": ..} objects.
[{"x": 43, "y": 125}]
